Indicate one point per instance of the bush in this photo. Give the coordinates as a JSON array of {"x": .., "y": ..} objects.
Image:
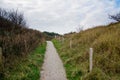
[{"x": 16, "y": 39}]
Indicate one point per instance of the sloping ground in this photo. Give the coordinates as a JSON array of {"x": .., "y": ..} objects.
[
  {"x": 105, "y": 41},
  {"x": 53, "y": 67}
]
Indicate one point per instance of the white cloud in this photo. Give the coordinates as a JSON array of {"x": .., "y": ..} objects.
[
  {"x": 63, "y": 15},
  {"x": 99, "y": 14}
]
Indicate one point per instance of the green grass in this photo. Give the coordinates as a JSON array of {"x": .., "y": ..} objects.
[
  {"x": 57, "y": 44},
  {"x": 71, "y": 70},
  {"x": 29, "y": 67},
  {"x": 105, "y": 41}
]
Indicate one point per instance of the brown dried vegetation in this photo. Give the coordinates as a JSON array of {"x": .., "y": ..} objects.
[{"x": 16, "y": 40}]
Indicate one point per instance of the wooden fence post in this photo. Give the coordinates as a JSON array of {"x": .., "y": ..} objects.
[
  {"x": 62, "y": 40},
  {"x": 0, "y": 56},
  {"x": 91, "y": 59},
  {"x": 55, "y": 36},
  {"x": 59, "y": 38},
  {"x": 70, "y": 43},
  {"x": 25, "y": 46}
]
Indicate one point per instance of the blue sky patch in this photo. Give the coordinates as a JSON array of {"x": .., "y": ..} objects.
[{"x": 117, "y": 3}]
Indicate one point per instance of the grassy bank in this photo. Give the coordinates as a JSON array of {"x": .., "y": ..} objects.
[
  {"x": 105, "y": 42},
  {"x": 17, "y": 42},
  {"x": 27, "y": 68}
]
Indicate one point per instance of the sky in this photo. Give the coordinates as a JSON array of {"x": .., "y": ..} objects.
[{"x": 63, "y": 16}]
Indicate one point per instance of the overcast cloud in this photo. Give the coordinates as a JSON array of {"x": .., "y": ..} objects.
[{"x": 64, "y": 16}]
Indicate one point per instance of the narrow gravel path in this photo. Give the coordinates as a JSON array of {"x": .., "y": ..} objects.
[{"x": 53, "y": 67}]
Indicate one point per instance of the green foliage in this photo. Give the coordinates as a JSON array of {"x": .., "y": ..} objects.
[
  {"x": 106, "y": 44},
  {"x": 50, "y": 35},
  {"x": 57, "y": 44},
  {"x": 27, "y": 68}
]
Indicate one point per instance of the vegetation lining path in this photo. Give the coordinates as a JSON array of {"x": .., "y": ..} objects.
[{"x": 53, "y": 67}]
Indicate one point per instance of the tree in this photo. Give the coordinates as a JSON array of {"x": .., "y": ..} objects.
[
  {"x": 11, "y": 18},
  {"x": 115, "y": 17},
  {"x": 17, "y": 18},
  {"x": 3, "y": 14}
]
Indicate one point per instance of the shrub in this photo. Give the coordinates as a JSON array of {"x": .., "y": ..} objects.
[{"x": 16, "y": 39}]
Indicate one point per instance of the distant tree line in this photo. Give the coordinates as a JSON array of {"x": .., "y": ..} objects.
[{"x": 50, "y": 35}]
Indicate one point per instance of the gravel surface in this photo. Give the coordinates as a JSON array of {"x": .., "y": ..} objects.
[{"x": 53, "y": 67}]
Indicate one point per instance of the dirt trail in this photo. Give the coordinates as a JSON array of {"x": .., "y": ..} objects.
[{"x": 53, "y": 67}]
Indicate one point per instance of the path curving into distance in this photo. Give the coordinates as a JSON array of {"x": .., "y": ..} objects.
[{"x": 53, "y": 67}]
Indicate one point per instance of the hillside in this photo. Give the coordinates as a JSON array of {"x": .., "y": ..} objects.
[
  {"x": 18, "y": 43},
  {"x": 105, "y": 41}
]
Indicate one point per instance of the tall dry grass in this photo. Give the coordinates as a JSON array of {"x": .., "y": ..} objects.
[{"x": 105, "y": 41}]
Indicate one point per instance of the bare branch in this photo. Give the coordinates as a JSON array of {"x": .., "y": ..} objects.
[{"x": 115, "y": 17}]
